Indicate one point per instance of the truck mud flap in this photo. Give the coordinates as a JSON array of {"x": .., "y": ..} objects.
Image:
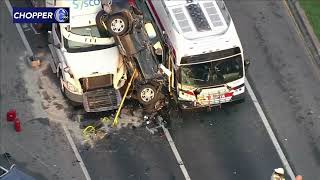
[{"x": 103, "y": 99}]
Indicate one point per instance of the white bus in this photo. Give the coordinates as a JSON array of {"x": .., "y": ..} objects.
[{"x": 208, "y": 65}]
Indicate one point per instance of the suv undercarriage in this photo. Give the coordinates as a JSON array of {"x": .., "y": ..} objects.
[{"x": 140, "y": 45}]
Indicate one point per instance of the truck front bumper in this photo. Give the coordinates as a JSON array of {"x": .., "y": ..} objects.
[{"x": 103, "y": 99}]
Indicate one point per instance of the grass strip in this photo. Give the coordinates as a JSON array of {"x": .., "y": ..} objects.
[{"x": 312, "y": 10}]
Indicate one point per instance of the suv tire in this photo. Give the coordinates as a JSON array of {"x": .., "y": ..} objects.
[
  {"x": 147, "y": 94},
  {"x": 118, "y": 24}
]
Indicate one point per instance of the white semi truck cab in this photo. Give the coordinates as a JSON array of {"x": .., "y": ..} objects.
[{"x": 79, "y": 51}]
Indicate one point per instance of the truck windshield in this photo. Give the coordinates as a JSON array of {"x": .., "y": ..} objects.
[
  {"x": 73, "y": 46},
  {"x": 212, "y": 73}
]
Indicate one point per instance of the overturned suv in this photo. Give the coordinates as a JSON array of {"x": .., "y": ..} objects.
[{"x": 143, "y": 53}]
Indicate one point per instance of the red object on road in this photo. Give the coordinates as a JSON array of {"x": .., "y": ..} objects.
[
  {"x": 11, "y": 115},
  {"x": 17, "y": 125}
]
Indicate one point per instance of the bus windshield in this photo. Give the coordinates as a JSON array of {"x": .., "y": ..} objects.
[{"x": 212, "y": 73}]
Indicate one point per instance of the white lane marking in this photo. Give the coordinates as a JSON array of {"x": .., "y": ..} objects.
[
  {"x": 270, "y": 131},
  {"x": 22, "y": 35},
  {"x": 76, "y": 152},
  {"x": 176, "y": 153}
]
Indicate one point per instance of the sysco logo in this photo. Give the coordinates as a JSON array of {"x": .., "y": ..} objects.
[{"x": 83, "y": 4}]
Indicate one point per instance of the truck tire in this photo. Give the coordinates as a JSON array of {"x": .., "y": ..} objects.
[
  {"x": 118, "y": 24},
  {"x": 147, "y": 94}
]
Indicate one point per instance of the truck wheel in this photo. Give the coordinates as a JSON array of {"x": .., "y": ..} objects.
[
  {"x": 147, "y": 94},
  {"x": 118, "y": 24}
]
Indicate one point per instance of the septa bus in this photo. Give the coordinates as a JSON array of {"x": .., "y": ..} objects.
[{"x": 207, "y": 64}]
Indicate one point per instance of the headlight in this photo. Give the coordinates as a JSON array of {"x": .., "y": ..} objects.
[{"x": 71, "y": 87}]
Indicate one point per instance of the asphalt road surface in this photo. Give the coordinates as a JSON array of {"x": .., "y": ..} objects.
[
  {"x": 284, "y": 77},
  {"x": 229, "y": 143}
]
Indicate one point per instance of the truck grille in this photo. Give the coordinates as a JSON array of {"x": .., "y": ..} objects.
[
  {"x": 101, "y": 100},
  {"x": 96, "y": 82}
]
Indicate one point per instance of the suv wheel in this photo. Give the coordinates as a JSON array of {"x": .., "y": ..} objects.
[
  {"x": 118, "y": 24},
  {"x": 147, "y": 94}
]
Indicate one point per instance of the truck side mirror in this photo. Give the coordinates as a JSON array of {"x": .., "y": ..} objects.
[{"x": 246, "y": 63}]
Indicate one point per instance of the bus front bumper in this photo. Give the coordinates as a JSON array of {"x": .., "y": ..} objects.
[{"x": 191, "y": 105}]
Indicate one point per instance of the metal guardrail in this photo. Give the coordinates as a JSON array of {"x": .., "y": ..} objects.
[{"x": 306, "y": 29}]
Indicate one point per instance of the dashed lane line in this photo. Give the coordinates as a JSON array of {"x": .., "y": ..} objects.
[
  {"x": 176, "y": 153},
  {"x": 270, "y": 131},
  {"x": 76, "y": 152}
]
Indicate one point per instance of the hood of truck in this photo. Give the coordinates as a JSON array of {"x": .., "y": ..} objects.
[{"x": 93, "y": 63}]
